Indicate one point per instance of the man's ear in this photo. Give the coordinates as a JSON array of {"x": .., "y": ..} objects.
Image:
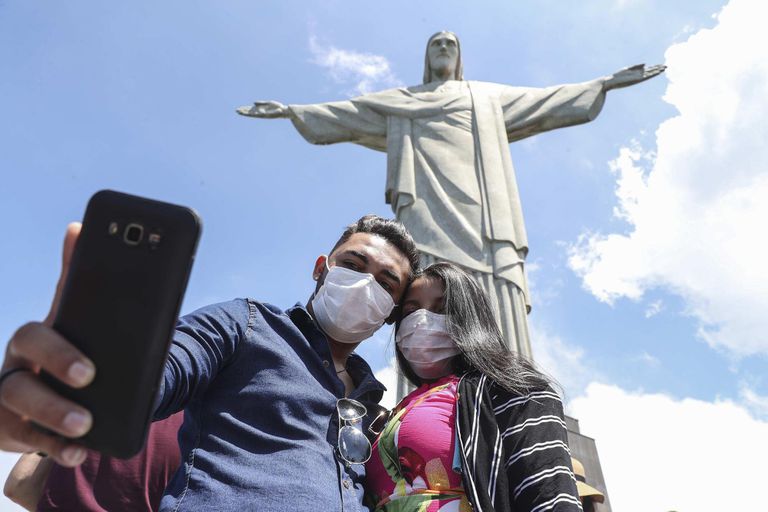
[
  {"x": 320, "y": 265},
  {"x": 393, "y": 316}
]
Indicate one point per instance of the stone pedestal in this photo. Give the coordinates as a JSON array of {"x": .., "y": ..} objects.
[{"x": 584, "y": 449}]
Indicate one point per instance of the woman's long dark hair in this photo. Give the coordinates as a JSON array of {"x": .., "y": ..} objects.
[{"x": 472, "y": 326}]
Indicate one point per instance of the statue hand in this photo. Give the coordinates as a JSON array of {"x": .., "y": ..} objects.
[
  {"x": 632, "y": 75},
  {"x": 264, "y": 110}
]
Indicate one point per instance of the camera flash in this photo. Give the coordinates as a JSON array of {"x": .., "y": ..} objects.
[
  {"x": 113, "y": 228},
  {"x": 154, "y": 238}
]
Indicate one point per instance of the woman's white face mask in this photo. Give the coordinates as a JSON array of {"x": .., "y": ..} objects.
[
  {"x": 425, "y": 343},
  {"x": 350, "y": 306}
]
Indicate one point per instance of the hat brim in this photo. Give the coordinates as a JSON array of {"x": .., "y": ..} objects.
[{"x": 587, "y": 491}]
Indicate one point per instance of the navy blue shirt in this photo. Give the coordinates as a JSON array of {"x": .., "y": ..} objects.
[{"x": 259, "y": 390}]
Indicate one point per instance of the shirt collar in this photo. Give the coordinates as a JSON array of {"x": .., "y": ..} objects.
[{"x": 357, "y": 367}]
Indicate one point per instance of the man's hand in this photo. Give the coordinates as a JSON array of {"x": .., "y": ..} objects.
[
  {"x": 631, "y": 76},
  {"x": 264, "y": 110},
  {"x": 24, "y": 398}
]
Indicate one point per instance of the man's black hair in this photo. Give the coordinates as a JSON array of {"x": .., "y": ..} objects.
[{"x": 390, "y": 230}]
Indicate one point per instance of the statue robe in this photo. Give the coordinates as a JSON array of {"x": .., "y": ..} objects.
[{"x": 450, "y": 178}]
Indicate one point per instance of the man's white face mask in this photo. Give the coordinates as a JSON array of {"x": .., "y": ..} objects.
[
  {"x": 350, "y": 306},
  {"x": 425, "y": 343}
]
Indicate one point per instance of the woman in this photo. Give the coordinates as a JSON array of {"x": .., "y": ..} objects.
[{"x": 483, "y": 427}]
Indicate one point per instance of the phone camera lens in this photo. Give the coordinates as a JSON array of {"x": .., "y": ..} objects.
[{"x": 133, "y": 234}]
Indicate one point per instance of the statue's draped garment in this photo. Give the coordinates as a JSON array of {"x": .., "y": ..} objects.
[{"x": 450, "y": 178}]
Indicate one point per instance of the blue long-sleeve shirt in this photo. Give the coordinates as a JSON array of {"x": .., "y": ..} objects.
[{"x": 259, "y": 390}]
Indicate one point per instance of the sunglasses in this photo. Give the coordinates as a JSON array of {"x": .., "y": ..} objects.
[{"x": 354, "y": 447}]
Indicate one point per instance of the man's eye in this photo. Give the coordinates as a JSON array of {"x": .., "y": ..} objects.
[
  {"x": 351, "y": 265},
  {"x": 386, "y": 285}
]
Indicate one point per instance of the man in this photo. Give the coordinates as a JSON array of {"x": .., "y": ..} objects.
[
  {"x": 260, "y": 387},
  {"x": 450, "y": 178}
]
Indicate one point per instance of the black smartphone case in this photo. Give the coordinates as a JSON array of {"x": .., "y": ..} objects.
[{"x": 119, "y": 307}]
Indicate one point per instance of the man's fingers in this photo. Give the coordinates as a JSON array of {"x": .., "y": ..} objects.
[
  {"x": 21, "y": 436},
  {"x": 25, "y": 395},
  {"x": 44, "y": 348},
  {"x": 70, "y": 239}
]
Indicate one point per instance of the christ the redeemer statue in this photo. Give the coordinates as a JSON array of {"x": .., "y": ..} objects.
[{"x": 450, "y": 178}]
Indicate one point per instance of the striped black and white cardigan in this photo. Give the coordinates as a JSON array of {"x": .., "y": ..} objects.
[{"x": 514, "y": 449}]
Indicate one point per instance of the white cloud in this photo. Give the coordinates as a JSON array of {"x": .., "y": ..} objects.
[
  {"x": 755, "y": 402},
  {"x": 697, "y": 208},
  {"x": 388, "y": 377},
  {"x": 364, "y": 71},
  {"x": 654, "y": 308},
  {"x": 659, "y": 454},
  {"x": 625, "y": 4},
  {"x": 648, "y": 360},
  {"x": 563, "y": 361},
  {"x": 543, "y": 291},
  {"x": 7, "y": 460}
]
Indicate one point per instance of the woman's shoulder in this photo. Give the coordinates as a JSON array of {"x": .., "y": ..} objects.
[
  {"x": 535, "y": 402},
  {"x": 476, "y": 379}
]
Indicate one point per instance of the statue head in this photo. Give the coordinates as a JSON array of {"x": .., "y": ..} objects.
[{"x": 443, "y": 58}]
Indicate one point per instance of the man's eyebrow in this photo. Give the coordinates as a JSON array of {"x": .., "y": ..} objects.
[
  {"x": 387, "y": 272},
  {"x": 390, "y": 274},
  {"x": 357, "y": 254}
]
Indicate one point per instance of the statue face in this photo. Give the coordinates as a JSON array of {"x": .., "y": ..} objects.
[{"x": 443, "y": 54}]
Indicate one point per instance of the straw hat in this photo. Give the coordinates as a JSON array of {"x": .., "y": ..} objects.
[{"x": 585, "y": 491}]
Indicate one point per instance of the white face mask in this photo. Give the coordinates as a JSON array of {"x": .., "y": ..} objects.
[
  {"x": 350, "y": 306},
  {"x": 425, "y": 343}
]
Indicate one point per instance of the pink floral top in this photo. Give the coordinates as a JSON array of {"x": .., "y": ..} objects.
[{"x": 411, "y": 468}]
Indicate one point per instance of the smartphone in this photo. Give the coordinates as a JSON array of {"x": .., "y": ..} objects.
[{"x": 119, "y": 306}]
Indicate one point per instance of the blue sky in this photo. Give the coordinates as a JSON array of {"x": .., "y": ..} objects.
[{"x": 643, "y": 225}]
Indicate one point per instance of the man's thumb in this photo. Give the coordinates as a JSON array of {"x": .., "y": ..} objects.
[{"x": 70, "y": 238}]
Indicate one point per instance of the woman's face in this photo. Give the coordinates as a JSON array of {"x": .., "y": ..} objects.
[
  {"x": 425, "y": 293},
  {"x": 422, "y": 338}
]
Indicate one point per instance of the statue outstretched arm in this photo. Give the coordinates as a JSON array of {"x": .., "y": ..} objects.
[
  {"x": 529, "y": 111},
  {"x": 328, "y": 123},
  {"x": 631, "y": 76},
  {"x": 264, "y": 110}
]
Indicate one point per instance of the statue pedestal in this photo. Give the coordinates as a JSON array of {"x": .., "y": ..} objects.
[{"x": 584, "y": 449}]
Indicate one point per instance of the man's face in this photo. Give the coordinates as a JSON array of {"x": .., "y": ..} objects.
[
  {"x": 443, "y": 54},
  {"x": 372, "y": 254}
]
